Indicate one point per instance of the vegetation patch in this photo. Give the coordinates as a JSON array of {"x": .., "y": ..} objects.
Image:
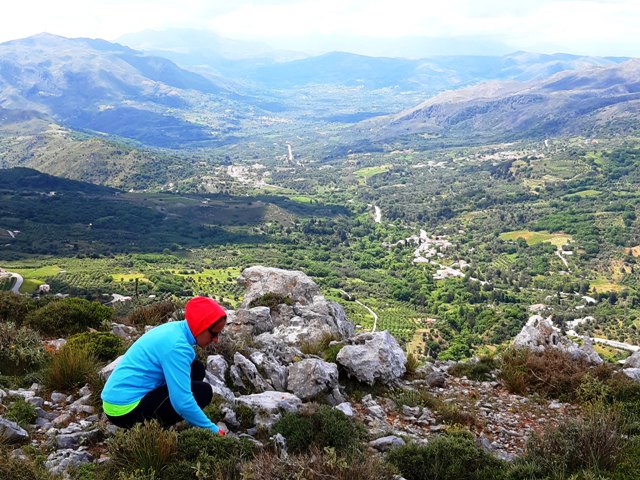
[{"x": 533, "y": 238}]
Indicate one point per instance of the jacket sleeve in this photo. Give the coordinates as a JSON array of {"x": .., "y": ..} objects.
[{"x": 176, "y": 367}]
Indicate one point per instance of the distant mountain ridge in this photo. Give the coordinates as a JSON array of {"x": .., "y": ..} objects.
[
  {"x": 100, "y": 86},
  {"x": 107, "y": 89},
  {"x": 587, "y": 101}
]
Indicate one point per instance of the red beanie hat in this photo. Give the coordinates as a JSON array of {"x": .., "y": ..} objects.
[{"x": 201, "y": 313}]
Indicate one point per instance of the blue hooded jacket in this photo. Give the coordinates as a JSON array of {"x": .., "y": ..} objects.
[{"x": 161, "y": 356}]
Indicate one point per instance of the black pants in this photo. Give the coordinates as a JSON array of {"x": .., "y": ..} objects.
[{"x": 156, "y": 403}]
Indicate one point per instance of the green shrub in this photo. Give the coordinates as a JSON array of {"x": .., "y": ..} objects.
[
  {"x": 14, "y": 308},
  {"x": 214, "y": 410},
  {"x": 297, "y": 429},
  {"x": 104, "y": 346},
  {"x": 451, "y": 457},
  {"x": 68, "y": 316},
  {"x": 317, "y": 347},
  {"x": 153, "y": 314},
  {"x": 593, "y": 442},
  {"x": 453, "y": 414},
  {"x": 204, "y": 454},
  {"x": 479, "y": 371},
  {"x": 21, "y": 412},
  {"x": 245, "y": 416},
  {"x": 327, "y": 427},
  {"x": 146, "y": 447},
  {"x": 21, "y": 349},
  {"x": 411, "y": 365},
  {"x": 414, "y": 398},
  {"x": 335, "y": 429},
  {"x": 70, "y": 368},
  {"x": 317, "y": 465},
  {"x": 271, "y": 300},
  {"x": 628, "y": 466},
  {"x": 330, "y": 354}
]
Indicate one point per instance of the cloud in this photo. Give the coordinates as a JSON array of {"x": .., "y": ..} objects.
[{"x": 570, "y": 24}]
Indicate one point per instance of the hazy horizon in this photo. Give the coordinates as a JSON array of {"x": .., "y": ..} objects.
[{"x": 406, "y": 28}]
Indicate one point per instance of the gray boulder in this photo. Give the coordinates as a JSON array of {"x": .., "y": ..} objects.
[
  {"x": 384, "y": 444},
  {"x": 11, "y": 432},
  {"x": 632, "y": 373},
  {"x": 295, "y": 285},
  {"x": 373, "y": 357},
  {"x": 312, "y": 378},
  {"x": 633, "y": 361},
  {"x": 258, "y": 317},
  {"x": 106, "y": 372},
  {"x": 268, "y": 406},
  {"x": 539, "y": 334}
]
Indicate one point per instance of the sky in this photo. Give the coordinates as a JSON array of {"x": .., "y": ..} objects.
[{"x": 373, "y": 27}]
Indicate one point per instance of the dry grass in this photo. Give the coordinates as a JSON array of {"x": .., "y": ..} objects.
[
  {"x": 317, "y": 464},
  {"x": 551, "y": 373},
  {"x": 153, "y": 314}
]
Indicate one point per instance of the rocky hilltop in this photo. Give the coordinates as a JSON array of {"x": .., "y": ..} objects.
[{"x": 287, "y": 349}]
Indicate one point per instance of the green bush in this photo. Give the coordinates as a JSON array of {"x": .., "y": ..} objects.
[
  {"x": 297, "y": 429},
  {"x": 68, "y": 316},
  {"x": 271, "y": 300},
  {"x": 21, "y": 412},
  {"x": 414, "y": 398},
  {"x": 450, "y": 457},
  {"x": 204, "y": 454},
  {"x": 104, "y": 346},
  {"x": 21, "y": 349},
  {"x": 146, "y": 447},
  {"x": 69, "y": 369},
  {"x": 14, "y": 308},
  {"x": 479, "y": 371},
  {"x": 628, "y": 466},
  {"x": 245, "y": 416},
  {"x": 327, "y": 427}
]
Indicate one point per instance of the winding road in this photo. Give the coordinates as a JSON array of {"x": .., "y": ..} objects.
[
  {"x": 373, "y": 314},
  {"x": 19, "y": 281}
]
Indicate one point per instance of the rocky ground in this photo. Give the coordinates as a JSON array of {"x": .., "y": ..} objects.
[{"x": 264, "y": 368}]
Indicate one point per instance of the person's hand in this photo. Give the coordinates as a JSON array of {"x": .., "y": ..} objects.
[{"x": 221, "y": 433}]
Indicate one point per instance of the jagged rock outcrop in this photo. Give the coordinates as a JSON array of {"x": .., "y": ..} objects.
[
  {"x": 294, "y": 285},
  {"x": 373, "y": 357},
  {"x": 303, "y": 314},
  {"x": 539, "y": 333}
]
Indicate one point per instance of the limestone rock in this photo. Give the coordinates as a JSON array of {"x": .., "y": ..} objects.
[
  {"x": 245, "y": 374},
  {"x": 539, "y": 334},
  {"x": 633, "y": 361},
  {"x": 384, "y": 444},
  {"x": 295, "y": 285},
  {"x": 11, "y": 432},
  {"x": 373, "y": 357},
  {"x": 312, "y": 378}
]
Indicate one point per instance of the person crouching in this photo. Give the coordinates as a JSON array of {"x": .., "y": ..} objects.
[{"x": 159, "y": 378}]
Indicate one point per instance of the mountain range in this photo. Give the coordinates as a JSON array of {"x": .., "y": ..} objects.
[
  {"x": 590, "y": 101},
  {"x": 222, "y": 90}
]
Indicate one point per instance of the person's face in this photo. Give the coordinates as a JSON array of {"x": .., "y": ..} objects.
[{"x": 212, "y": 334}]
